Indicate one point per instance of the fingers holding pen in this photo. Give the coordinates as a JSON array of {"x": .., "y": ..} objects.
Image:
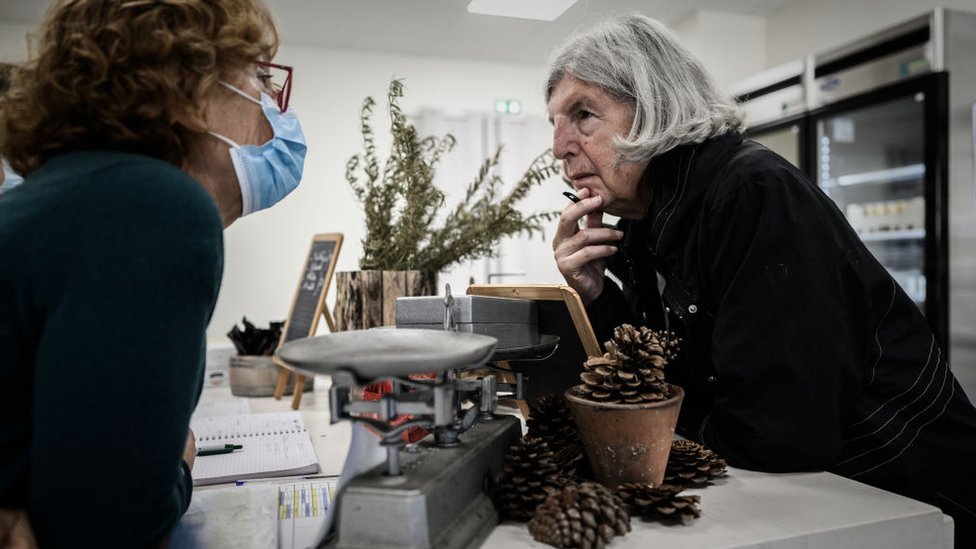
[
  {"x": 593, "y": 239},
  {"x": 591, "y": 232},
  {"x": 569, "y": 220},
  {"x": 582, "y": 244}
]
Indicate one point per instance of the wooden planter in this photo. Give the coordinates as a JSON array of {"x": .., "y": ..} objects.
[{"x": 367, "y": 299}]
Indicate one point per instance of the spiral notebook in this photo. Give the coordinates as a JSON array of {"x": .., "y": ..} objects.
[{"x": 275, "y": 444}]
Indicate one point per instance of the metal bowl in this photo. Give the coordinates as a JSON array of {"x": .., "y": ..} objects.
[
  {"x": 386, "y": 352},
  {"x": 257, "y": 376}
]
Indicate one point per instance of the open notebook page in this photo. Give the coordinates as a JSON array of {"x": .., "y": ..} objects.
[{"x": 275, "y": 444}]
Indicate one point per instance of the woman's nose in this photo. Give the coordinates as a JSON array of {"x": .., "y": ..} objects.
[{"x": 563, "y": 140}]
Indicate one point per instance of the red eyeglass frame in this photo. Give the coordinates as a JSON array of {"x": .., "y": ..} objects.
[{"x": 284, "y": 96}]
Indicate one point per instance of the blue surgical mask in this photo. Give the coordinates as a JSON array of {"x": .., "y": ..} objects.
[
  {"x": 11, "y": 178},
  {"x": 268, "y": 172}
]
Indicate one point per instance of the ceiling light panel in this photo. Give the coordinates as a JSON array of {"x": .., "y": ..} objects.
[{"x": 542, "y": 10}]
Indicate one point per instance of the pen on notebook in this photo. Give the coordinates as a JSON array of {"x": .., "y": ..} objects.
[
  {"x": 284, "y": 480},
  {"x": 217, "y": 450}
]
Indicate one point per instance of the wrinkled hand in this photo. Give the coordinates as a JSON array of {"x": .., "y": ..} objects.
[
  {"x": 190, "y": 452},
  {"x": 15, "y": 530},
  {"x": 581, "y": 253}
]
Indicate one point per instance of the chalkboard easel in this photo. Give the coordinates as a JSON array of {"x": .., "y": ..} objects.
[{"x": 309, "y": 305}]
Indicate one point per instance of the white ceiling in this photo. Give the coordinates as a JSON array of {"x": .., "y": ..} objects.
[{"x": 442, "y": 28}]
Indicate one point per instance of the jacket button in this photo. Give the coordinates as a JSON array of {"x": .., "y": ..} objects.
[
  {"x": 692, "y": 308},
  {"x": 712, "y": 379}
]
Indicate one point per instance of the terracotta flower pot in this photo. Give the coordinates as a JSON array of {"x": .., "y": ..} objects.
[{"x": 626, "y": 442}]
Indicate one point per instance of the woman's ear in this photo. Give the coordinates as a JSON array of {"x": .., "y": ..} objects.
[{"x": 191, "y": 117}]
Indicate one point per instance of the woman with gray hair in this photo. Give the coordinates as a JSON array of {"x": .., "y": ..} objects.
[{"x": 799, "y": 350}]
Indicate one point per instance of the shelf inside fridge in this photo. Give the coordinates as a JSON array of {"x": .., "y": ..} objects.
[
  {"x": 881, "y": 236},
  {"x": 911, "y": 172}
]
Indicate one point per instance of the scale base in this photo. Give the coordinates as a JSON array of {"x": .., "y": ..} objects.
[{"x": 440, "y": 501}]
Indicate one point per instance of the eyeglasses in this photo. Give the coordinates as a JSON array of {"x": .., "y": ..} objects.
[{"x": 277, "y": 80}]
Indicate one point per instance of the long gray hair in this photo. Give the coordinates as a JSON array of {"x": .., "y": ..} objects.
[{"x": 638, "y": 61}]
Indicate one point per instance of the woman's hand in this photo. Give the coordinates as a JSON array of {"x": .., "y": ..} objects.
[
  {"x": 15, "y": 530},
  {"x": 190, "y": 452},
  {"x": 581, "y": 253}
]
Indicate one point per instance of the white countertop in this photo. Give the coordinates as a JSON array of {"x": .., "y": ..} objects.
[
  {"x": 784, "y": 511},
  {"x": 744, "y": 510}
]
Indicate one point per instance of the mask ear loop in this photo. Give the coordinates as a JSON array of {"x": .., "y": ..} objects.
[
  {"x": 239, "y": 92},
  {"x": 225, "y": 139},
  {"x": 243, "y": 94}
]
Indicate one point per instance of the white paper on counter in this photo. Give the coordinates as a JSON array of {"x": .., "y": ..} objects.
[{"x": 234, "y": 517}]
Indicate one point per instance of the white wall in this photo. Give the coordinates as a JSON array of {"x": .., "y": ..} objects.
[
  {"x": 264, "y": 252},
  {"x": 813, "y": 26},
  {"x": 13, "y": 42},
  {"x": 731, "y": 46}
]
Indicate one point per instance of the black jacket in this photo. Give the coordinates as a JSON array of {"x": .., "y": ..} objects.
[{"x": 799, "y": 350}]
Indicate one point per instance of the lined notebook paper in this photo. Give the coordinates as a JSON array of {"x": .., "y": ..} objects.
[{"x": 275, "y": 444}]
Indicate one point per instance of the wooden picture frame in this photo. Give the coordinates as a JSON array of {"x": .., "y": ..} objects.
[
  {"x": 547, "y": 292},
  {"x": 308, "y": 305}
]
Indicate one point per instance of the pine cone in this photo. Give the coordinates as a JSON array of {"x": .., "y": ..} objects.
[
  {"x": 661, "y": 503},
  {"x": 529, "y": 476},
  {"x": 632, "y": 369},
  {"x": 587, "y": 516},
  {"x": 551, "y": 421},
  {"x": 691, "y": 464}
]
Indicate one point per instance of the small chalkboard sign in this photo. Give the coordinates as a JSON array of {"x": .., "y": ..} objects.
[{"x": 309, "y": 302}]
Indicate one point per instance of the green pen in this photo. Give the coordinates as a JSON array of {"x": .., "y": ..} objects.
[{"x": 217, "y": 450}]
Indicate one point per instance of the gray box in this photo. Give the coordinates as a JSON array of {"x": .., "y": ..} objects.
[{"x": 513, "y": 322}]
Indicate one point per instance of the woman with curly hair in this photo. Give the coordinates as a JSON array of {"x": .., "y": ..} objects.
[{"x": 142, "y": 129}]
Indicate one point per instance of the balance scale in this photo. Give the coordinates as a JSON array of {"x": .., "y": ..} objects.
[{"x": 436, "y": 493}]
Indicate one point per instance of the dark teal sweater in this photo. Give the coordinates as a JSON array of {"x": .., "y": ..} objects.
[{"x": 110, "y": 265}]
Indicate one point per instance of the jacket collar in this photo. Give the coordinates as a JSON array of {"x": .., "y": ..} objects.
[
  {"x": 669, "y": 175},
  {"x": 677, "y": 180}
]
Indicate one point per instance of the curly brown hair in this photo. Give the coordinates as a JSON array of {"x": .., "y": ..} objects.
[{"x": 116, "y": 74}]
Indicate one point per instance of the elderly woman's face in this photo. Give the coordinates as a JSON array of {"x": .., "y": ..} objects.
[{"x": 585, "y": 121}]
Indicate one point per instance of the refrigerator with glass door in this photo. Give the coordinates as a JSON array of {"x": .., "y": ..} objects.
[
  {"x": 892, "y": 143},
  {"x": 881, "y": 157},
  {"x": 884, "y": 125}
]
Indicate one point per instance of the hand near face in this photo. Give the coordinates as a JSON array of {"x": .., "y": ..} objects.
[
  {"x": 581, "y": 253},
  {"x": 190, "y": 451},
  {"x": 15, "y": 530}
]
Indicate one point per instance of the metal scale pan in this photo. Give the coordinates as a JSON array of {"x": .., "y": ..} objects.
[{"x": 384, "y": 352}]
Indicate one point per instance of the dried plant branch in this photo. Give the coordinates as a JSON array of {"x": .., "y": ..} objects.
[{"x": 402, "y": 203}]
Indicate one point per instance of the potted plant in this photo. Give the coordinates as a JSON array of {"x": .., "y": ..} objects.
[
  {"x": 625, "y": 411},
  {"x": 410, "y": 235}
]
